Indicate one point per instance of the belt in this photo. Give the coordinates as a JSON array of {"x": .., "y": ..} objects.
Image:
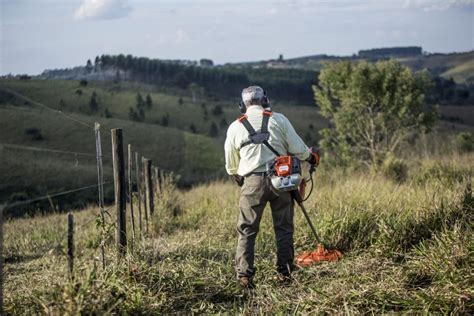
[{"x": 256, "y": 173}]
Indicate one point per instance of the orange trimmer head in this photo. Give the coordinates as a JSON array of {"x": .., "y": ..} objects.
[{"x": 320, "y": 254}]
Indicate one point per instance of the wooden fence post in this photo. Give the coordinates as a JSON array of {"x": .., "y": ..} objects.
[
  {"x": 100, "y": 185},
  {"x": 119, "y": 185},
  {"x": 146, "y": 209},
  {"x": 70, "y": 244},
  {"x": 130, "y": 189},
  {"x": 155, "y": 181},
  {"x": 139, "y": 195},
  {"x": 149, "y": 187},
  {"x": 160, "y": 180}
]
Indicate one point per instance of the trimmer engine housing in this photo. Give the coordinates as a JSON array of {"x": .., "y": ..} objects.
[{"x": 284, "y": 173}]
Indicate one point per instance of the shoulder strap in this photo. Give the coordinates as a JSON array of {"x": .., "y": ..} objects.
[
  {"x": 263, "y": 130},
  {"x": 243, "y": 119},
  {"x": 265, "y": 119}
]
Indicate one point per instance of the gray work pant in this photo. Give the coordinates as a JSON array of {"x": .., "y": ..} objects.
[{"x": 254, "y": 195}]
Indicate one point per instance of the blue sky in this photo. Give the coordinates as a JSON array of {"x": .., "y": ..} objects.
[{"x": 44, "y": 34}]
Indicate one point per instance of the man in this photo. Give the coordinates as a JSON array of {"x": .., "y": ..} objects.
[{"x": 246, "y": 162}]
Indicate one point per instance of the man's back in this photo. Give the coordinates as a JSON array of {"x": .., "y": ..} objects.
[{"x": 254, "y": 157}]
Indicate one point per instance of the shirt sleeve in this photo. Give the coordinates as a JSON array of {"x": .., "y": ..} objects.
[
  {"x": 296, "y": 145},
  {"x": 232, "y": 157}
]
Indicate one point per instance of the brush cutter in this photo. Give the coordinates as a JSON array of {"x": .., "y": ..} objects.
[
  {"x": 285, "y": 175},
  {"x": 321, "y": 253}
]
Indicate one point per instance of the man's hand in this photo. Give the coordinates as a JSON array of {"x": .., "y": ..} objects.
[
  {"x": 238, "y": 179},
  {"x": 313, "y": 158}
]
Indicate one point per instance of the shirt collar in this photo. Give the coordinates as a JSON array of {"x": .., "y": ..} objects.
[{"x": 255, "y": 108}]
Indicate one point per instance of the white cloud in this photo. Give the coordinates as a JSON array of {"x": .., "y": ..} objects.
[
  {"x": 181, "y": 37},
  {"x": 370, "y": 5},
  {"x": 102, "y": 9},
  {"x": 271, "y": 11},
  {"x": 436, "y": 5}
]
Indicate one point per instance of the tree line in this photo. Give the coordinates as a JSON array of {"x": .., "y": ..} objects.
[{"x": 284, "y": 84}]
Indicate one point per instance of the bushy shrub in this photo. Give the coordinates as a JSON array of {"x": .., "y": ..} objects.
[
  {"x": 465, "y": 142},
  {"x": 34, "y": 133},
  {"x": 168, "y": 205},
  {"x": 395, "y": 169},
  {"x": 444, "y": 173}
]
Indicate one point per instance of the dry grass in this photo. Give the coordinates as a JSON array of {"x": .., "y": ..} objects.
[{"x": 408, "y": 248}]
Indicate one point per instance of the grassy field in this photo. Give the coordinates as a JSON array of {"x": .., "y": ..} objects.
[
  {"x": 408, "y": 247},
  {"x": 461, "y": 73}
]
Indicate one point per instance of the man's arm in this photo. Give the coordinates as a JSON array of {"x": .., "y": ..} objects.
[{"x": 232, "y": 156}]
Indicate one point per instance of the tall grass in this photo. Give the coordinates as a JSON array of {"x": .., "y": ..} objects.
[{"x": 408, "y": 247}]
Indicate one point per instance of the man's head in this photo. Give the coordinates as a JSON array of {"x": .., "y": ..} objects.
[{"x": 253, "y": 95}]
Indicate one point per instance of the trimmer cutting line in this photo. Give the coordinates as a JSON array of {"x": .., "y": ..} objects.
[{"x": 321, "y": 253}]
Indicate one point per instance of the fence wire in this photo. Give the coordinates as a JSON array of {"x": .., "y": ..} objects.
[{"x": 48, "y": 196}]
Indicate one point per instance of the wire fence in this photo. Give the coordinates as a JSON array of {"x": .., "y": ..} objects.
[
  {"x": 30, "y": 101},
  {"x": 48, "y": 196},
  {"x": 146, "y": 188},
  {"x": 47, "y": 150}
]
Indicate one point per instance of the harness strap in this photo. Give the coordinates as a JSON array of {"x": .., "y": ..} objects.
[
  {"x": 265, "y": 119},
  {"x": 243, "y": 119},
  {"x": 266, "y": 143},
  {"x": 263, "y": 130}
]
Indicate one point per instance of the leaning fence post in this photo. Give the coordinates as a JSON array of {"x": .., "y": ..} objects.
[
  {"x": 145, "y": 193},
  {"x": 156, "y": 180},
  {"x": 70, "y": 244},
  {"x": 130, "y": 189},
  {"x": 139, "y": 195},
  {"x": 100, "y": 185},
  {"x": 119, "y": 185},
  {"x": 149, "y": 186}
]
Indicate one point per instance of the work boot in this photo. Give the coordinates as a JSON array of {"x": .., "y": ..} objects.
[
  {"x": 284, "y": 274},
  {"x": 246, "y": 282}
]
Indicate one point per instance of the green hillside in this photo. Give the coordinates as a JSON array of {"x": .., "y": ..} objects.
[
  {"x": 119, "y": 98},
  {"x": 32, "y": 125},
  {"x": 461, "y": 73},
  {"x": 29, "y": 173}
]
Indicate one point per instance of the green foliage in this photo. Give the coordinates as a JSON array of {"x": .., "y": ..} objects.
[
  {"x": 223, "y": 123},
  {"x": 395, "y": 169},
  {"x": 149, "y": 101},
  {"x": 372, "y": 108},
  {"x": 133, "y": 115},
  {"x": 465, "y": 142},
  {"x": 107, "y": 113},
  {"x": 287, "y": 84},
  {"x": 213, "y": 130},
  {"x": 34, "y": 133},
  {"x": 165, "y": 120},
  {"x": 93, "y": 104},
  {"x": 217, "y": 110}
]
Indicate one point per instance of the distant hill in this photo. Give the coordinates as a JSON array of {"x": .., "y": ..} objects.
[
  {"x": 459, "y": 66},
  {"x": 289, "y": 81}
]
